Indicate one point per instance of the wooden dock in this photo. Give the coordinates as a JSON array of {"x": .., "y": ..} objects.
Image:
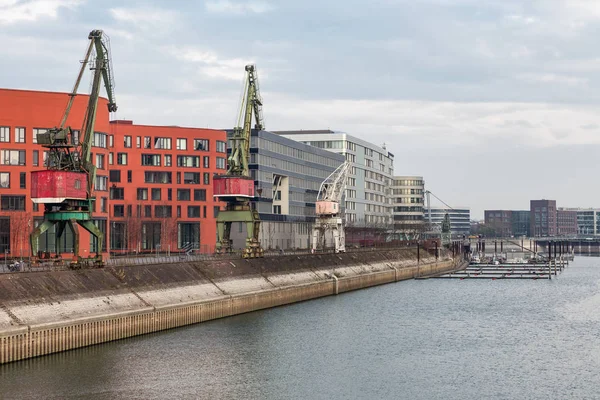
[{"x": 510, "y": 271}]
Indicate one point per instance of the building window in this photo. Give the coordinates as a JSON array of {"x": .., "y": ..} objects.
[
  {"x": 37, "y": 131},
  {"x": 99, "y": 140},
  {"x": 150, "y": 235},
  {"x": 162, "y": 211},
  {"x": 221, "y": 147},
  {"x": 4, "y": 134},
  {"x": 118, "y": 238},
  {"x": 127, "y": 141},
  {"x": 122, "y": 158},
  {"x": 148, "y": 211},
  {"x": 169, "y": 194},
  {"x": 117, "y": 193},
  {"x": 111, "y": 141},
  {"x": 142, "y": 194},
  {"x": 183, "y": 194},
  {"x": 23, "y": 180},
  {"x": 4, "y": 180},
  {"x": 178, "y": 178},
  {"x": 129, "y": 176},
  {"x": 216, "y": 210},
  {"x": 157, "y": 177},
  {"x": 193, "y": 212},
  {"x": 167, "y": 160},
  {"x": 206, "y": 178},
  {"x": 129, "y": 212},
  {"x": 220, "y": 163},
  {"x": 181, "y": 144},
  {"x": 13, "y": 157},
  {"x": 19, "y": 135},
  {"x": 101, "y": 183},
  {"x": 201, "y": 144},
  {"x": 188, "y": 235},
  {"x": 36, "y": 158},
  {"x": 103, "y": 202},
  {"x": 162, "y": 143},
  {"x": 119, "y": 210},
  {"x": 276, "y": 209},
  {"x": 191, "y": 178},
  {"x": 111, "y": 158},
  {"x": 199, "y": 194},
  {"x": 100, "y": 161},
  {"x": 147, "y": 142},
  {"x": 13, "y": 203},
  {"x": 156, "y": 194},
  {"x": 151, "y": 160},
  {"x": 188, "y": 161},
  {"x": 206, "y": 161}
]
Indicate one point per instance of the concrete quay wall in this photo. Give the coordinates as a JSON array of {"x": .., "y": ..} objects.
[{"x": 48, "y": 312}]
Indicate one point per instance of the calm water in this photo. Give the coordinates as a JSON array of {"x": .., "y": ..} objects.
[{"x": 432, "y": 339}]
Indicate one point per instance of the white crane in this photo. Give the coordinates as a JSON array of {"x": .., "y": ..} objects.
[{"x": 329, "y": 210}]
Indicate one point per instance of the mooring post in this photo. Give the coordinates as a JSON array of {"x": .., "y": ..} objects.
[
  {"x": 418, "y": 253},
  {"x": 436, "y": 251},
  {"x": 550, "y": 258}
]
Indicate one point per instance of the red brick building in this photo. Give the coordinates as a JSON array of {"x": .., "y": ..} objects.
[
  {"x": 566, "y": 222},
  {"x": 153, "y": 187}
]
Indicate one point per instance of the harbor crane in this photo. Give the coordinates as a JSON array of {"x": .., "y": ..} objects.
[
  {"x": 329, "y": 210},
  {"x": 65, "y": 187},
  {"x": 236, "y": 186}
]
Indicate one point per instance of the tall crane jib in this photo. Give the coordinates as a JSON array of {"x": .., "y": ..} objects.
[
  {"x": 329, "y": 211},
  {"x": 65, "y": 188},
  {"x": 236, "y": 186}
]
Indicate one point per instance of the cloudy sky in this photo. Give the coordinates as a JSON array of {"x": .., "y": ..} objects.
[{"x": 494, "y": 102}]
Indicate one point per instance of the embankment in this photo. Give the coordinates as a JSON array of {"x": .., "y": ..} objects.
[{"x": 48, "y": 312}]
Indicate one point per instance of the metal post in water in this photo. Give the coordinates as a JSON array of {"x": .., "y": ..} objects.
[{"x": 418, "y": 253}]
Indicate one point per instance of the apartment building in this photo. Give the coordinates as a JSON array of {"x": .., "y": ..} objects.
[{"x": 153, "y": 186}]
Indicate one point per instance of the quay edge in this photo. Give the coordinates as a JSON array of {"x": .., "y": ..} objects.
[{"x": 47, "y": 312}]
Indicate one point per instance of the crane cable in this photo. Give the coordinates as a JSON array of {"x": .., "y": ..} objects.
[{"x": 443, "y": 202}]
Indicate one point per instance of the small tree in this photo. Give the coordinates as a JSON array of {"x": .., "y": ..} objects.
[{"x": 20, "y": 226}]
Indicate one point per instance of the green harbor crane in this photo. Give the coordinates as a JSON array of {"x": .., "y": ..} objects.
[
  {"x": 65, "y": 187},
  {"x": 236, "y": 186}
]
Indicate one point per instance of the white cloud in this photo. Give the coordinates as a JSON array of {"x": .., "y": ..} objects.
[
  {"x": 552, "y": 78},
  {"x": 12, "y": 11},
  {"x": 146, "y": 18},
  {"x": 237, "y": 7},
  {"x": 210, "y": 63}
]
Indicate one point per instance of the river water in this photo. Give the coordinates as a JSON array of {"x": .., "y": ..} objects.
[{"x": 425, "y": 339}]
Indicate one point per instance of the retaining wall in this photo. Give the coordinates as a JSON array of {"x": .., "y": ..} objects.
[{"x": 43, "y": 313}]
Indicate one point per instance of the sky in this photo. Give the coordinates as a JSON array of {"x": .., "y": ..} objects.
[{"x": 493, "y": 102}]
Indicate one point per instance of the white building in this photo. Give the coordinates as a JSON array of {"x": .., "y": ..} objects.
[
  {"x": 588, "y": 220},
  {"x": 408, "y": 199},
  {"x": 368, "y": 192},
  {"x": 460, "y": 219}
]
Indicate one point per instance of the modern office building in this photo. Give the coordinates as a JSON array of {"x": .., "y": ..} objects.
[
  {"x": 407, "y": 197},
  {"x": 287, "y": 176},
  {"x": 543, "y": 218},
  {"x": 460, "y": 219},
  {"x": 521, "y": 221},
  {"x": 368, "y": 192},
  {"x": 588, "y": 220},
  {"x": 153, "y": 186},
  {"x": 507, "y": 223}
]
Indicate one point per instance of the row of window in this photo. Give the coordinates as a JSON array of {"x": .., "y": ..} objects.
[
  {"x": 5, "y": 180},
  {"x": 118, "y": 193},
  {"x": 293, "y": 152},
  {"x": 5, "y": 135},
  {"x": 163, "y": 177},
  {"x": 165, "y": 143},
  {"x": 160, "y": 211}
]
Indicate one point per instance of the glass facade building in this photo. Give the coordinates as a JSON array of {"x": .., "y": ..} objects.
[
  {"x": 287, "y": 176},
  {"x": 460, "y": 219},
  {"x": 407, "y": 196},
  {"x": 368, "y": 191}
]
